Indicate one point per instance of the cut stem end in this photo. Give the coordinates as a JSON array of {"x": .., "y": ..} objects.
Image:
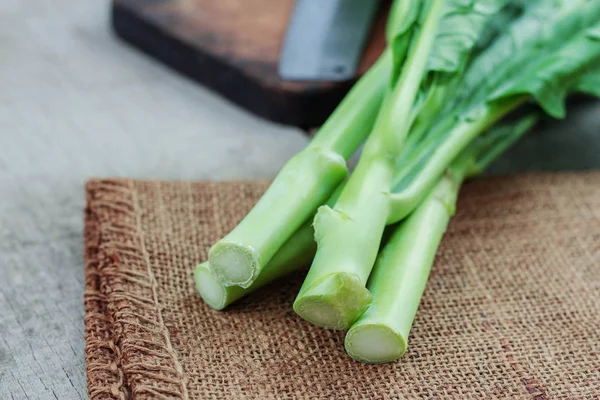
[
  {"x": 234, "y": 264},
  {"x": 374, "y": 343},
  {"x": 210, "y": 288},
  {"x": 334, "y": 302}
]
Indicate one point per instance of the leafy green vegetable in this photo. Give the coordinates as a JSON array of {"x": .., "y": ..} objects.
[
  {"x": 541, "y": 66},
  {"x": 432, "y": 108}
]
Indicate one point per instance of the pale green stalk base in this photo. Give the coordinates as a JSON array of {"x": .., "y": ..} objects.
[
  {"x": 234, "y": 263},
  {"x": 375, "y": 343},
  {"x": 294, "y": 255},
  {"x": 210, "y": 288},
  {"x": 334, "y": 302}
]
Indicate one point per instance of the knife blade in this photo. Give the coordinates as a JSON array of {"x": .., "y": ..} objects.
[{"x": 325, "y": 39}]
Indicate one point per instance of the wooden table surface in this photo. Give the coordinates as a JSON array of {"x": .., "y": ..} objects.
[{"x": 77, "y": 103}]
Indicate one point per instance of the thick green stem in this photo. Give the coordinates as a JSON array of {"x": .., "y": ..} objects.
[
  {"x": 239, "y": 257},
  {"x": 303, "y": 184},
  {"x": 400, "y": 275},
  {"x": 348, "y": 236}
]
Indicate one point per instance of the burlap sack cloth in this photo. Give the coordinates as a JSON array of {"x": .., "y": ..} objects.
[{"x": 512, "y": 309}]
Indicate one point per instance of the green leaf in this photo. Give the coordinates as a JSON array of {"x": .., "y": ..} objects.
[
  {"x": 459, "y": 31},
  {"x": 497, "y": 25},
  {"x": 543, "y": 53},
  {"x": 549, "y": 79},
  {"x": 491, "y": 62},
  {"x": 589, "y": 81}
]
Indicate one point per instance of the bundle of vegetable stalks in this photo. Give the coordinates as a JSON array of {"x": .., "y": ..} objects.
[{"x": 459, "y": 82}]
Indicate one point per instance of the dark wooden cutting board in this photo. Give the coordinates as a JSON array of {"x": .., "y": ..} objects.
[{"x": 232, "y": 47}]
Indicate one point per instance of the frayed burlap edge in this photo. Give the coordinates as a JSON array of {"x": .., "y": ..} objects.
[{"x": 117, "y": 347}]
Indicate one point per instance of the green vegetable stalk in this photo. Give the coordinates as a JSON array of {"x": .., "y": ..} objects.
[
  {"x": 402, "y": 269},
  {"x": 334, "y": 294},
  {"x": 399, "y": 278},
  {"x": 303, "y": 184},
  {"x": 306, "y": 181}
]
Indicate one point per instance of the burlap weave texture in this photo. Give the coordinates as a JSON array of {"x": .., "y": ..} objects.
[{"x": 512, "y": 309}]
